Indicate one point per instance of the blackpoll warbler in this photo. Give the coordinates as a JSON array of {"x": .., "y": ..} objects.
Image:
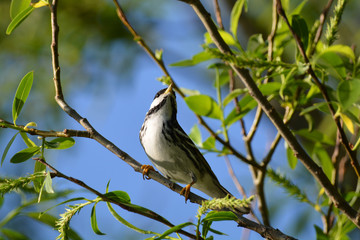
[{"x": 172, "y": 151}]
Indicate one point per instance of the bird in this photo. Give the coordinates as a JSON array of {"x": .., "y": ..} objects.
[{"x": 173, "y": 153}]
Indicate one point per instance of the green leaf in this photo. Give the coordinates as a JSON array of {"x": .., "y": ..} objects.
[
  {"x": 174, "y": 229},
  {"x": 235, "y": 15},
  {"x": 315, "y": 136},
  {"x": 348, "y": 92},
  {"x": 323, "y": 157},
  {"x": 60, "y": 143},
  {"x": 48, "y": 183},
  {"x": 195, "y": 135},
  {"x": 8, "y": 147},
  {"x": 233, "y": 94},
  {"x": 333, "y": 64},
  {"x": 24, "y": 154},
  {"x": 13, "y": 235},
  {"x": 18, "y": 19},
  {"x": 39, "y": 182},
  {"x": 204, "y": 106},
  {"x": 27, "y": 140},
  {"x": 320, "y": 235},
  {"x": 94, "y": 224},
  {"x": 18, "y": 6},
  {"x": 21, "y": 94},
  {"x": 228, "y": 38},
  {"x": 292, "y": 160},
  {"x": 126, "y": 223},
  {"x": 299, "y": 26},
  {"x": 246, "y": 104},
  {"x": 220, "y": 216},
  {"x": 341, "y": 49},
  {"x": 209, "y": 143},
  {"x": 119, "y": 196},
  {"x": 196, "y": 59}
]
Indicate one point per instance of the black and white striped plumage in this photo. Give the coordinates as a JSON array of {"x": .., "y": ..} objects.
[{"x": 172, "y": 151}]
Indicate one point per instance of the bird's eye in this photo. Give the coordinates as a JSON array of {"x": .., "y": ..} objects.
[{"x": 159, "y": 93}]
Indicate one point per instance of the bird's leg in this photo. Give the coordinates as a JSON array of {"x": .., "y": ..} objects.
[
  {"x": 146, "y": 169},
  {"x": 186, "y": 190}
]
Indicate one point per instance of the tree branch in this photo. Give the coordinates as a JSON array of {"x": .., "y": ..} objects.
[
  {"x": 148, "y": 214},
  {"x": 286, "y": 133}
]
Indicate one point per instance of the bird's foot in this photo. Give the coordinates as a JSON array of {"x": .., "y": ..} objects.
[
  {"x": 186, "y": 191},
  {"x": 146, "y": 169}
]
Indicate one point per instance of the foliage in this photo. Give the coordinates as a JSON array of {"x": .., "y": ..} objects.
[{"x": 315, "y": 79}]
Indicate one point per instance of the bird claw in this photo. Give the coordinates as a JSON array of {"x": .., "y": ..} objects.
[
  {"x": 146, "y": 169},
  {"x": 186, "y": 191}
]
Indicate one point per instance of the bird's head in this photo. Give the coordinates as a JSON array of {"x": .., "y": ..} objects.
[{"x": 164, "y": 103}]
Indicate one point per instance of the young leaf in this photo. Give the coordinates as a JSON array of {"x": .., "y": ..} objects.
[
  {"x": 60, "y": 143},
  {"x": 174, "y": 229},
  {"x": 18, "y": 19},
  {"x": 24, "y": 154},
  {"x": 119, "y": 196},
  {"x": 233, "y": 94},
  {"x": 209, "y": 143},
  {"x": 8, "y": 147},
  {"x": 12, "y": 234},
  {"x": 27, "y": 140},
  {"x": 18, "y": 6},
  {"x": 21, "y": 94},
  {"x": 220, "y": 216},
  {"x": 126, "y": 223},
  {"x": 204, "y": 106},
  {"x": 324, "y": 159},
  {"x": 195, "y": 135},
  {"x": 315, "y": 136},
  {"x": 94, "y": 224},
  {"x": 348, "y": 92},
  {"x": 235, "y": 15},
  {"x": 292, "y": 160},
  {"x": 48, "y": 183},
  {"x": 301, "y": 29},
  {"x": 196, "y": 59}
]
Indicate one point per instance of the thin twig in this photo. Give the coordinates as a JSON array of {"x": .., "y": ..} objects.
[
  {"x": 254, "y": 91},
  {"x": 218, "y": 14},
  {"x": 43, "y": 133},
  {"x": 320, "y": 28},
  {"x": 148, "y": 213}
]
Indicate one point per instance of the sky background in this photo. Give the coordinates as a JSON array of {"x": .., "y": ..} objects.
[{"x": 119, "y": 88}]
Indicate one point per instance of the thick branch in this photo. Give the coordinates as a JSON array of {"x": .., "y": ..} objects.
[{"x": 285, "y": 132}]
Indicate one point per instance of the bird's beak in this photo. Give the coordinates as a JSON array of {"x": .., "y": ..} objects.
[{"x": 169, "y": 89}]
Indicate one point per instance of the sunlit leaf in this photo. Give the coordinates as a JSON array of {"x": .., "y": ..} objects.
[
  {"x": 27, "y": 140},
  {"x": 341, "y": 49},
  {"x": 60, "y": 143},
  {"x": 119, "y": 196},
  {"x": 48, "y": 183},
  {"x": 195, "y": 135},
  {"x": 39, "y": 4},
  {"x": 94, "y": 224},
  {"x": 209, "y": 143},
  {"x": 233, "y": 94},
  {"x": 17, "y": 6},
  {"x": 292, "y": 160},
  {"x": 8, "y": 147},
  {"x": 174, "y": 229},
  {"x": 204, "y": 106},
  {"x": 25, "y": 154},
  {"x": 348, "y": 123},
  {"x": 21, "y": 94},
  {"x": 196, "y": 59},
  {"x": 18, "y": 19},
  {"x": 126, "y": 223},
  {"x": 220, "y": 216},
  {"x": 235, "y": 15}
]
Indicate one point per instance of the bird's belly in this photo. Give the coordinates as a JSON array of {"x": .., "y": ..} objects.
[{"x": 166, "y": 158}]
